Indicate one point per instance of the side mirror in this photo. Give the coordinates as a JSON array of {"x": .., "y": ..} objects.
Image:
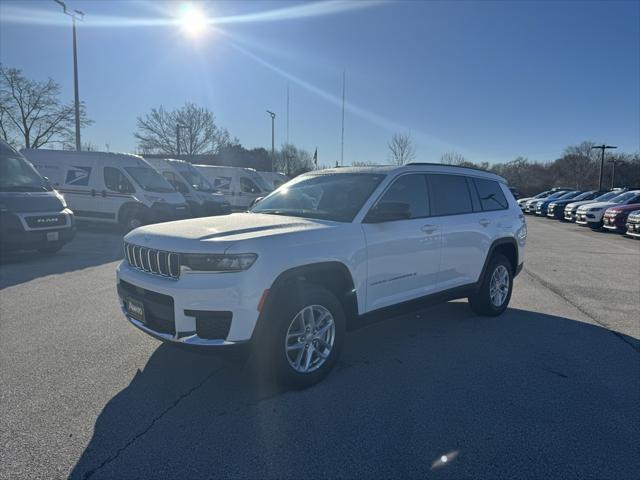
[
  {"x": 388, "y": 212},
  {"x": 255, "y": 201}
]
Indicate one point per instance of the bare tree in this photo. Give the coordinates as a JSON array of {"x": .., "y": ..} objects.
[
  {"x": 401, "y": 148},
  {"x": 31, "y": 113},
  {"x": 194, "y": 127},
  {"x": 293, "y": 160},
  {"x": 453, "y": 158}
]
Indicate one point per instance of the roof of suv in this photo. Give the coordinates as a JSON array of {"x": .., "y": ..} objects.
[{"x": 412, "y": 167}]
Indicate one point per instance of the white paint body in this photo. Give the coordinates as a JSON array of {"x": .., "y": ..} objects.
[
  {"x": 240, "y": 186},
  {"x": 389, "y": 263}
]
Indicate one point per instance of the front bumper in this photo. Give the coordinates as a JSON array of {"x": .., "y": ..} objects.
[
  {"x": 614, "y": 224},
  {"x": 16, "y": 233},
  {"x": 633, "y": 229},
  {"x": 184, "y": 304}
]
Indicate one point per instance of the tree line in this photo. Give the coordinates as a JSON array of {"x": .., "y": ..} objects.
[{"x": 32, "y": 115}]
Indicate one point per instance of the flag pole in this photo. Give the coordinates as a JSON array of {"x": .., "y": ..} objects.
[{"x": 342, "y": 137}]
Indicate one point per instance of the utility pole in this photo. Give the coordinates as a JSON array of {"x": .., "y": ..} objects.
[
  {"x": 602, "y": 147},
  {"x": 75, "y": 14},
  {"x": 613, "y": 163},
  {"x": 287, "y": 113},
  {"x": 342, "y": 136},
  {"x": 273, "y": 137}
]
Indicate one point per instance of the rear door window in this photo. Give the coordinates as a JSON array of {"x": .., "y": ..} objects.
[
  {"x": 491, "y": 195},
  {"x": 449, "y": 195}
]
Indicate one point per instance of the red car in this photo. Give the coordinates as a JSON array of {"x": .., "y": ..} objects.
[{"x": 615, "y": 218}]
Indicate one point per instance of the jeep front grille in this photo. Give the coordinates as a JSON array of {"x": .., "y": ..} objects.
[{"x": 150, "y": 260}]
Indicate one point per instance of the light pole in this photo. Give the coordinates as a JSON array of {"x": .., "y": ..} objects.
[
  {"x": 75, "y": 14},
  {"x": 180, "y": 126},
  {"x": 613, "y": 163},
  {"x": 273, "y": 137},
  {"x": 602, "y": 147}
]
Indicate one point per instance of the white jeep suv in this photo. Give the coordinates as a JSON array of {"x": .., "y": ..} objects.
[{"x": 321, "y": 254}]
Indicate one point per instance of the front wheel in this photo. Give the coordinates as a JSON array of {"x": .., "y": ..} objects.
[
  {"x": 131, "y": 220},
  {"x": 495, "y": 291},
  {"x": 304, "y": 338}
]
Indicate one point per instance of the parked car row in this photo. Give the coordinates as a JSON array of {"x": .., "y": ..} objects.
[{"x": 615, "y": 210}]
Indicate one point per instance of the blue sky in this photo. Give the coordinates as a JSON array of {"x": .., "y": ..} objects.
[{"x": 490, "y": 80}]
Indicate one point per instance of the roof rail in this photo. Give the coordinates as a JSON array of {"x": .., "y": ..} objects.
[{"x": 454, "y": 166}]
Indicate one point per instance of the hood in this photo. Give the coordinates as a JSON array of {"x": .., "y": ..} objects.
[
  {"x": 217, "y": 234},
  {"x": 624, "y": 208},
  {"x": 24, "y": 202},
  {"x": 597, "y": 205}
]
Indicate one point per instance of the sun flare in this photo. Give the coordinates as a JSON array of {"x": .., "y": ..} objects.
[{"x": 192, "y": 20}]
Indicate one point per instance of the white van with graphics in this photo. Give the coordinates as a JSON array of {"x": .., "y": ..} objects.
[
  {"x": 203, "y": 199},
  {"x": 240, "y": 186},
  {"x": 110, "y": 187}
]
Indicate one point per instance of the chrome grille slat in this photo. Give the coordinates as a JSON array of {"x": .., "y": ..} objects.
[{"x": 155, "y": 262}]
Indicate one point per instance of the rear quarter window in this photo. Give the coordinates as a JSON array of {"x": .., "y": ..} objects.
[{"x": 490, "y": 194}]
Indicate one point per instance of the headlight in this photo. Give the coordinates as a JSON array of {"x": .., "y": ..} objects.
[{"x": 218, "y": 263}]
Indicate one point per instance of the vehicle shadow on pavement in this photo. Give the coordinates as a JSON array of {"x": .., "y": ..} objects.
[
  {"x": 437, "y": 393},
  {"x": 92, "y": 246}
]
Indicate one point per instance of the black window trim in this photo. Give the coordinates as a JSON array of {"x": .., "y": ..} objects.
[
  {"x": 468, "y": 192},
  {"x": 383, "y": 193}
]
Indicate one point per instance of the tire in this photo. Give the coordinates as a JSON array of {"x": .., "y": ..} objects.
[
  {"x": 595, "y": 226},
  {"x": 52, "y": 248},
  {"x": 131, "y": 220},
  {"x": 290, "y": 312},
  {"x": 481, "y": 302}
]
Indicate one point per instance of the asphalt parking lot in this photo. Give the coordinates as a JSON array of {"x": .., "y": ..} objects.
[{"x": 548, "y": 390}]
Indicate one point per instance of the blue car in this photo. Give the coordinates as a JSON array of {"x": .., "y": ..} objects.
[{"x": 543, "y": 205}]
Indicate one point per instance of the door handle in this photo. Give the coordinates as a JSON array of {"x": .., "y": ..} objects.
[
  {"x": 484, "y": 222},
  {"x": 93, "y": 192},
  {"x": 429, "y": 228},
  {"x": 104, "y": 193}
]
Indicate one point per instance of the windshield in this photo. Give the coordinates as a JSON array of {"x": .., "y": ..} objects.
[
  {"x": 583, "y": 196},
  {"x": 149, "y": 179},
  {"x": 569, "y": 195},
  {"x": 196, "y": 180},
  {"x": 607, "y": 196},
  {"x": 338, "y": 196},
  {"x": 18, "y": 175},
  {"x": 623, "y": 197}
]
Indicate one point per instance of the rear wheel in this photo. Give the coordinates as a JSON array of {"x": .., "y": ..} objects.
[
  {"x": 495, "y": 291},
  {"x": 304, "y": 337}
]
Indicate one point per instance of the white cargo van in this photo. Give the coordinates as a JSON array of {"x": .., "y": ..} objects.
[
  {"x": 240, "y": 186},
  {"x": 274, "y": 179},
  {"x": 110, "y": 187},
  {"x": 203, "y": 199}
]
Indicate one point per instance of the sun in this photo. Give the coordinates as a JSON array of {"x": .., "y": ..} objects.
[{"x": 192, "y": 20}]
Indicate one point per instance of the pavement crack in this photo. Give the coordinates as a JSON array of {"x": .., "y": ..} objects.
[
  {"x": 558, "y": 292},
  {"x": 158, "y": 417}
]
